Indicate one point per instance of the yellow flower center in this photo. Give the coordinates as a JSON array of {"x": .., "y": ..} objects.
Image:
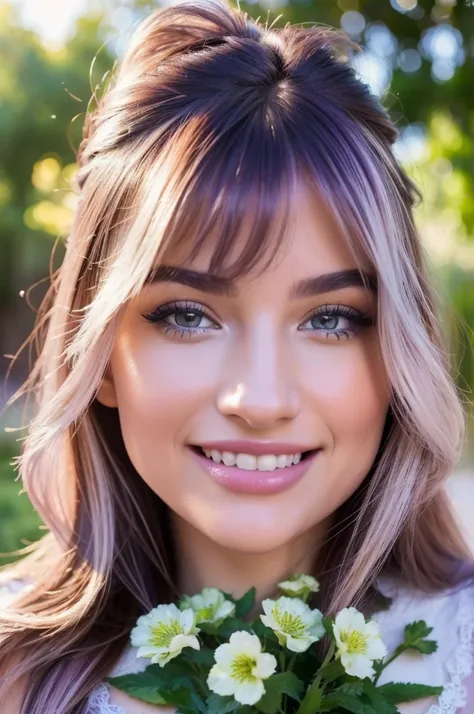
[
  {"x": 288, "y": 623},
  {"x": 355, "y": 641},
  {"x": 162, "y": 634},
  {"x": 206, "y": 613},
  {"x": 242, "y": 668}
]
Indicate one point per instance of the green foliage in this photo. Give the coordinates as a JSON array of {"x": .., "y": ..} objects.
[{"x": 19, "y": 524}]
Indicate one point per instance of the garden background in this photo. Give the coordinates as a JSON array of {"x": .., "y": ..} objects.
[{"x": 418, "y": 55}]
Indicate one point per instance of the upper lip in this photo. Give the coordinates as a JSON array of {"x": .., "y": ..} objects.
[{"x": 258, "y": 448}]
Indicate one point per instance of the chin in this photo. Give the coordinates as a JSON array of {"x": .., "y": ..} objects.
[{"x": 251, "y": 538}]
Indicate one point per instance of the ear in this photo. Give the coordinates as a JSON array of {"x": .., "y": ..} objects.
[{"x": 106, "y": 394}]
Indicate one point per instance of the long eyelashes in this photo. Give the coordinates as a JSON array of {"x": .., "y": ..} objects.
[{"x": 330, "y": 318}]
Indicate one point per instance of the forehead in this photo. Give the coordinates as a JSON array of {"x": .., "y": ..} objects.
[{"x": 313, "y": 240}]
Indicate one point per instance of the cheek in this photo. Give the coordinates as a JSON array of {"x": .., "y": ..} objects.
[
  {"x": 158, "y": 390},
  {"x": 351, "y": 393}
]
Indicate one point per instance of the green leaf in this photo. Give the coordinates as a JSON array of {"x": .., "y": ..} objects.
[
  {"x": 187, "y": 700},
  {"x": 311, "y": 701},
  {"x": 138, "y": 686},
  {"x": 415, "y": 635},
  {"x": 288, "y": 683},
  {"x": 399, "y": 693},
  {"x": 417, "y": 631},
  {"x": 333, "y": 671},
  {"x": 209, "y": 628},
  {"x": 380, "y": 703},
  {"x": 355, "y": 687},
  {"x": 271, "y": 700},
  {"x": 349, "y": 702},
  {"x": 231, "y": 625},
  {"x": 328, "y": 624},
  {"x": 277, "y": 685},
  {"x": 203, "y": 657},
  {"x": 425, "y": 646},
  {"x": 216, "y": 704},
  {"x": 151, "y": 684},
  {"x": 246, "y": 603}
]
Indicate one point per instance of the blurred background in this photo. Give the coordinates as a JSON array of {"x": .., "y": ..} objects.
[{"x": 417, "y": 55}]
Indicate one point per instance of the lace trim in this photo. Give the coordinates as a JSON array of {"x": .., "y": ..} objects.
[
  {"x": 461, "y": 664},
  {"x": 99, "y": 702}
]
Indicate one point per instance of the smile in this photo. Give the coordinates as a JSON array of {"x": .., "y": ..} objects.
[
  {"x": 250, "y": 462},
  {"x": 251, "y": 474}
]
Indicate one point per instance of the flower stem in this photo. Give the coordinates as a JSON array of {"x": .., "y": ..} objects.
[
  {"x": 291, "y": 663},
  {"x": 399, "y": 650}
]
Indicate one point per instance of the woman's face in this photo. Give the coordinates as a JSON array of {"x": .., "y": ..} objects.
[{"x": 284, "y": 370}]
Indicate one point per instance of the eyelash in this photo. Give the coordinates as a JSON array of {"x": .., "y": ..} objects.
[{"x": 158, "y": 316}]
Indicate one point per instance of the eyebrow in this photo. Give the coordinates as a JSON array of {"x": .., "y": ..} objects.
[{"x": 218, "y": 285}]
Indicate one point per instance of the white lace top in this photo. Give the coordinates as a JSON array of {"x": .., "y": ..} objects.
[{"x": 452, "y": 665}]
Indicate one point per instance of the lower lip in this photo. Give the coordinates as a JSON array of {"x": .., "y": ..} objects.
[{"x": 255, "y": 482}]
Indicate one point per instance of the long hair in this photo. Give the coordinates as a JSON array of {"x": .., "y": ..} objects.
[{"x": 211, "y": 117}]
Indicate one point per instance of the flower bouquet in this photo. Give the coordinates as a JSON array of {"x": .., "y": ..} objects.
[{"x": 206, "y": 658}]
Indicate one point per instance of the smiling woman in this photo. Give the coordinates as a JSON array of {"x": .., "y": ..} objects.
[{"x": 240, "y": 372}]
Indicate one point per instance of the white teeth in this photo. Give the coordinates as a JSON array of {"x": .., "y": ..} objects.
[
  {"x": 246, "y": 461},
  {"x": 267, "y": 463},
  {"x": 250, "y": 462},
  {"x": 228, "y": 458}
]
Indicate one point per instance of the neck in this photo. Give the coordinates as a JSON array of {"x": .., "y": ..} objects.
[{"x": 204, "y": 563}]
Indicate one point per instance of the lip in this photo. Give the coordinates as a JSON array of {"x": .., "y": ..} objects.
[
  {"x": 254, "y": 482},
  {"x": 256, "y": 447}
]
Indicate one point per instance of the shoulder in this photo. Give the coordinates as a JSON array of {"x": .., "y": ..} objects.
[
  {"x": 11, "y": 589},
  {"x": 451, "y": 615}
]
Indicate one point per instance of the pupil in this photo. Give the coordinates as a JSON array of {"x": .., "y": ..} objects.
[
  {"x": 329, "y": 322},
  {"x": 189, "y": 319}
]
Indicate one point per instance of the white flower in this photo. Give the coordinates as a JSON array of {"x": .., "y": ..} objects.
[
  {"x": 294, "y": 623},
  {"x": 164, "y": 632},
  {"x": 240, "y": 669},
  {"x": 358, "y": 642},
  {"x": 209, "y": 606},
  {"x": 299, "y": 586}
]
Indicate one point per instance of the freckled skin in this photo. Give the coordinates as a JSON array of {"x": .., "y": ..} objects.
[{"x": 256, "y": 377}]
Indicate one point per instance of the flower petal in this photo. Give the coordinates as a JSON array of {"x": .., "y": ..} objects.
[
  {"x": 224, "y": 655},
  {"x": 266, "y": 666},
  {"x": 357, "y": 665},
  {"x": 300, "y": 644},
  {"x": 220, "y": 682},
  {"x": 376, "y": 648},
  {"x": 227, "y": 609},
  {"x": 181, "y": 641},
  {"x": 249, "y": 692},
  {"x": 187, "y": 620},
  {"x": 250, "y": 644}
]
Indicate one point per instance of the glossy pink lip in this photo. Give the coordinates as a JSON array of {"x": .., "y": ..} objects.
[
  {"x": 254, "y": 482},
  {"x": 256, "y": 447}
]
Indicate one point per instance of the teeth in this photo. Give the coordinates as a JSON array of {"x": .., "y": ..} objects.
[{"x": 250, "y": 462}]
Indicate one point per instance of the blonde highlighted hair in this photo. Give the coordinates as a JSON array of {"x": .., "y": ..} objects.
[{"x": 207, "y": 112}]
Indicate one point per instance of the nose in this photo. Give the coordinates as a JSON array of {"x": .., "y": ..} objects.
[{"x": 259, "y": 385}]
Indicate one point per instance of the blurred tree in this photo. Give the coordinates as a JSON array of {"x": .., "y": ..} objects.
[{"x": 40, "y": 93}]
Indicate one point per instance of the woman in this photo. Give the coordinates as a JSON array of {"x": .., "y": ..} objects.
[{"x": 240, "y": 372}]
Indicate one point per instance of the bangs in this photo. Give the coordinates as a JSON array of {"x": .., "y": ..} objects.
[{"x": 232, "y": 202}]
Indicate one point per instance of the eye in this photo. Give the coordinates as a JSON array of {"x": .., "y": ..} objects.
[
  {"x": 337, "y": 322},
  {"x": 183, "y": 319}
]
